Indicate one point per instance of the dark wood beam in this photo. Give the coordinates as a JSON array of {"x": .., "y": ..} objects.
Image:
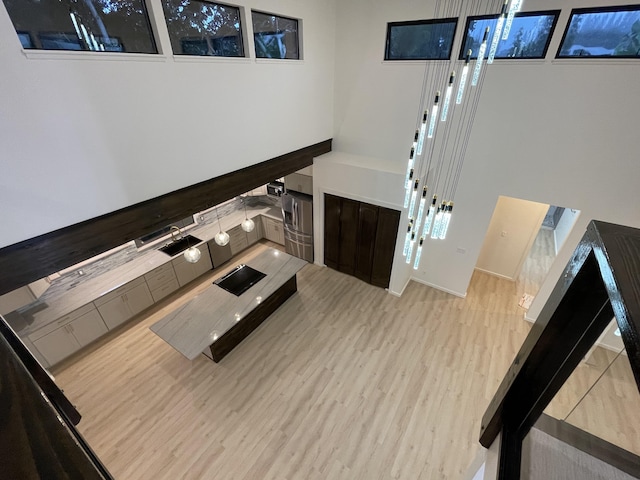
[
  {"x": 29, "y": 260},
  {"x": 617, "y": 249}
]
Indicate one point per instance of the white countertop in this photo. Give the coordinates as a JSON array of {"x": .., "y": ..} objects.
[
  {"x": 42, "y": 313},
  {"x": 199, "y": 323}
]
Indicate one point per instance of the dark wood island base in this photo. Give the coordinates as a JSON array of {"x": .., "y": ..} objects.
[{"x": 241, "y": 330}]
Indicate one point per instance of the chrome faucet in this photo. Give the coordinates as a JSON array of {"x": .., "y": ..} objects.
[{"x": 172, "y": 229}]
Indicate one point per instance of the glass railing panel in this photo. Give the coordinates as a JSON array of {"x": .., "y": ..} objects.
[
  {"x": 611, "y": 409},
  {"x": 586, "y": 374}
]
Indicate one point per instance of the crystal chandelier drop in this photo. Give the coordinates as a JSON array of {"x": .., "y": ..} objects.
[{"x": 437, "y": 153}]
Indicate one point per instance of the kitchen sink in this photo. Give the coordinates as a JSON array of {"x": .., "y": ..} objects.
[{"x": 181, "y": 245}]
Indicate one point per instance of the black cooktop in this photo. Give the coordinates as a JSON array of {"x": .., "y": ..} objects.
[{"x": 240, "y": 279}]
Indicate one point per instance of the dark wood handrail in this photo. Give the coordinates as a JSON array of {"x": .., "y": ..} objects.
[{"x": 601, "y": 280}]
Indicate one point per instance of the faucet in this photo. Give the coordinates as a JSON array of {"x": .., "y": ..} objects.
[{"x": 172, "y": 229}]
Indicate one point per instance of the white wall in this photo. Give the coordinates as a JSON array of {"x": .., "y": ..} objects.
[
  {"x": 512, "y": 231},
  {"x": 84, "y": 134},
  {"x": 563, "y": 228},
  {"x": 560, "y": 132}
]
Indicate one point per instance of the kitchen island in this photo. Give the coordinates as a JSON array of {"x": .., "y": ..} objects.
[{"x": 217, "y": 320}]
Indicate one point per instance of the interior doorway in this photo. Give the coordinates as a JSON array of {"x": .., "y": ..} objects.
[{"x": 522, "y": 242}]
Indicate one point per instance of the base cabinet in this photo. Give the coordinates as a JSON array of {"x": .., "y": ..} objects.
[
  {"x": 237, "y": 240},
  {"x": 119, "y": 306},
  {"x": 69, "y": 338},
  {"x": 273, "y": 230},
  {"x": 186, "y": 272}
]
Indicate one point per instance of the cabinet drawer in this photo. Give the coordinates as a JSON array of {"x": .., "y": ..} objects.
[
  {"x": 69, "y": 317},
  {"x": 118, "y": 291},
  {"x": 165, "y": 269},
  {"x": 159, "y": 280},
  {"x": 167, "y": 288}
]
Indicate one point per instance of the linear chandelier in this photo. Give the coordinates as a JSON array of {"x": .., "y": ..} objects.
[{"x": 440, "y": 141}]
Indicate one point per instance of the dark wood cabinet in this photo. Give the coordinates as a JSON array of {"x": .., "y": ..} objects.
[
  {"x": 332, "y": 207},
  {"x": 360, "y": 238},
  {"x": 366, "y": 240},
  {"x": 386, "y": 234},
  {"x": 348, "y": 236}
]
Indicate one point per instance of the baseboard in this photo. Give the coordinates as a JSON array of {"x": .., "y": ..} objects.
[
  {"x": 494, "y": 274},
  {"x": 396, "y": 294},
  {"x": 438, "y": 287}
]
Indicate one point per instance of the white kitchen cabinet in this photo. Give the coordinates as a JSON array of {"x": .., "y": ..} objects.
[
  {"x": 123, "y": 303},
  {"x": 162, "y": 281},
  {"x": 237, "y": 239},
  {"x": 186, "y": 272},
  {"x": 273, "y": 230},
  {"x": 57, "y": 345},
  {"x": 298, "y": 182},
  {"x": 256, "y": 234},
  {"x": 70, "y": 333}
]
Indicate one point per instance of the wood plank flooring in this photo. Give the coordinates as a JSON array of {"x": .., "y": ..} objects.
[{"x": 344, "y": 381}]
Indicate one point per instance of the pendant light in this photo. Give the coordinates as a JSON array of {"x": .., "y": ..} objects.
[
  {"x": 498, "y": 33},
  {"x": 447, "y": 97},
  {"x": 192, "y": 254},
  {"x": 247, "y": 224},
  {"x": 463, "y": 79},
  {"x": 222, "y": 237},
  {"x": 478, "y": 68},
  {"x": 513, "y": 9}
]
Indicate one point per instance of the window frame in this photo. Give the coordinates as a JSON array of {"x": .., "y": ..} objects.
[
  {"x": 242, "y": 32},
  {"x": 537, "y": 13},
  {"x": 37, "y": 52},
  {"x": 432, "y": 21},
  {"x": 580, "y": 11},
  {"x": 298, "y": 36}
]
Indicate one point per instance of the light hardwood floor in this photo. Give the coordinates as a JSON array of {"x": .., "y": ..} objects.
[{"x": 344, "y": 381}]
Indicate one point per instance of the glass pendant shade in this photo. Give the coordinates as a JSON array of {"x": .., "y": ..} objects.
[
  {"x": 423, "y": 129},
  {"x": 496, "y": 39},
  {"x": 435, "y": 232},
  {"x": 411, "y": 245},
  {"x": 222, "y": 238},
  {"x": 409, "y": 175},
  {"x": 414, "y": 196},
  {"x": 192, "y": 254},
  {"x": 515, "y": 8},
  {"x": 447, "y": 98},
  {"x": 416, "y": 262},
  {"x": 248, "y": 225},
  {"x": 478, "y": 67},
  {"x": 430, "y": 214},
  {"x": 463, "y": 79},
  {"x": 407, "y": 240},
  {"x": 434, "y": 116}
]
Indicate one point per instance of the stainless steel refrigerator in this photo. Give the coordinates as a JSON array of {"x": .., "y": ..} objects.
[{"x": 297, "y": 214}]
